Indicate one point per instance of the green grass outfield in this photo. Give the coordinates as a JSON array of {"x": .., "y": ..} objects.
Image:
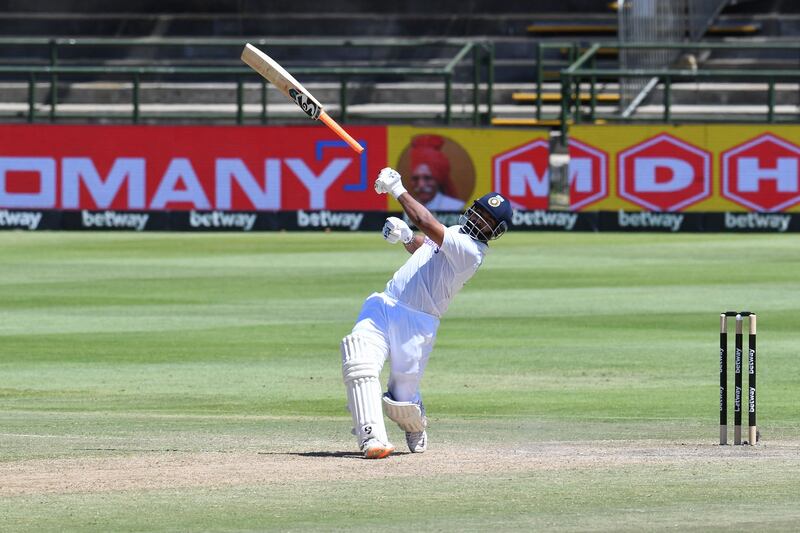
[{"x": 191, "y": 382}]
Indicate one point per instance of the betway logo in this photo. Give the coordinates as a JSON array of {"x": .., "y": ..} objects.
[
  {"x": 329, "y": 219},
  {"x": 545, "y": 219},
  {"x": 114, "y": 219},
  {"x": 757, "y": 221},
  {"x": 646, "y": 220},
  {"x": 20, "y": 219},
  {"x": 219, "y": 219}
]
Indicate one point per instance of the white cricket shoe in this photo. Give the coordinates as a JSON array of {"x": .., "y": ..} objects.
[
  {"x": 375, "y": 449},
  {"x": 417, "y": 441}
]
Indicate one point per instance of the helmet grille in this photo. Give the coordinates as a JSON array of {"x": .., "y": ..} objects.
[{"x": 471, "y": 227}]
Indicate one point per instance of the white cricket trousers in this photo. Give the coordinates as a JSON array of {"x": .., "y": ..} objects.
[{"x": 404, "y": 336}]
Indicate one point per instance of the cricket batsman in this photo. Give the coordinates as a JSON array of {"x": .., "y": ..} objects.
[{"x": 400, "y": 323}]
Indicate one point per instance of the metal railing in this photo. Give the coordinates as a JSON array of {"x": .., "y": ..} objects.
[
  {"x": 571, "y": 49},
  {"x": 480, "y": 52},
  {"x": 645, "y": 21},
  {"x": 477, "y": 54},
  {"x": 578, "y": 73},
  {"x": 700, "y": 14}
]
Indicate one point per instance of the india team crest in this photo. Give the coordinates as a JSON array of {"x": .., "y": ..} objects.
[{"x": 494, "y": 201}]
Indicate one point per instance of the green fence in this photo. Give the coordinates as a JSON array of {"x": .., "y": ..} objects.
[
  {"x": 474, "y": 60},
  {"x": 583, "y": 71},
  {"x": 571, "y": 48},
  {"x": 481, "y": 54}
]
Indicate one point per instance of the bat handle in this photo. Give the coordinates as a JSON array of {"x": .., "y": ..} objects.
[{"x": 332, "y": 124}]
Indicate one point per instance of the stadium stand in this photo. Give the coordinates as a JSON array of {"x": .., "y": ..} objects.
[{"x": 518, "y": 32}]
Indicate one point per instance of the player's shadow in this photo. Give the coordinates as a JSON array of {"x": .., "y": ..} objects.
[{"x": 348, "y": 455}]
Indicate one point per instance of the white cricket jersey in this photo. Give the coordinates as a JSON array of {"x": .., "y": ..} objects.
[{"x": 433, "y": 275}]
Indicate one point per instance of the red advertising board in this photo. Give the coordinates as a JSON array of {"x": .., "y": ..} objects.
[{"x": 188, "y": 167}]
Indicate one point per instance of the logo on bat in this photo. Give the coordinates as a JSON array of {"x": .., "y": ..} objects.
[{"x": 306, "y": 104}]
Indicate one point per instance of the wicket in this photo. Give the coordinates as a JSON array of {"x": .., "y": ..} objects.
[{"x": 723, "y": 378}]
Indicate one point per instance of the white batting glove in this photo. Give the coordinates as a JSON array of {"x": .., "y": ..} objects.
[
  {"x": 397, "y": 230},
  {"x": 389, "y": 181}
]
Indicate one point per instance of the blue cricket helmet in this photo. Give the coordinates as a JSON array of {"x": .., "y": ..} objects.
[{"x": 477, "y": 227}]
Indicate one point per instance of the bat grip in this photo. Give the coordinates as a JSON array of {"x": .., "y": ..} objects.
[{"x": 332, "y": 124}]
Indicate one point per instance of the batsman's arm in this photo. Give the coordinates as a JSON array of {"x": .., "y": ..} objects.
[
  {"x": 419, "y": 215},
  {"x": 412, "y": 245},
  {"x": 389, "y": 181}
]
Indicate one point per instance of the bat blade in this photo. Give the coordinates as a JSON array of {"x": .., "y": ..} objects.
[
  {"x": 282, "y": 80},
  {"x": 294, "y": 90}
]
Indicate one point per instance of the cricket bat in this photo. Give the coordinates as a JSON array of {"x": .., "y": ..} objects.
[{"x": 285, "y": 83}]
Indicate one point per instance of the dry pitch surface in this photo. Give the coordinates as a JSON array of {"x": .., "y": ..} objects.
[{"x": 176, "y": 469}]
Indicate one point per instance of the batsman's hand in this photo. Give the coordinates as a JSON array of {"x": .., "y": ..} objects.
[
  {"x": 389, "y": 181},
  {"x": 397, "y": 230}
]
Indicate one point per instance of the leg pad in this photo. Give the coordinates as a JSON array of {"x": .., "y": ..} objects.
[{"x": 360, "y": 372}]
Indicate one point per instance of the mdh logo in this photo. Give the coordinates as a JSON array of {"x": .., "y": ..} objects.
[
  {"x": 763, "y": 174},
  {"x": 522, "y": 175},
  {"x": 308, "y": 106}
]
